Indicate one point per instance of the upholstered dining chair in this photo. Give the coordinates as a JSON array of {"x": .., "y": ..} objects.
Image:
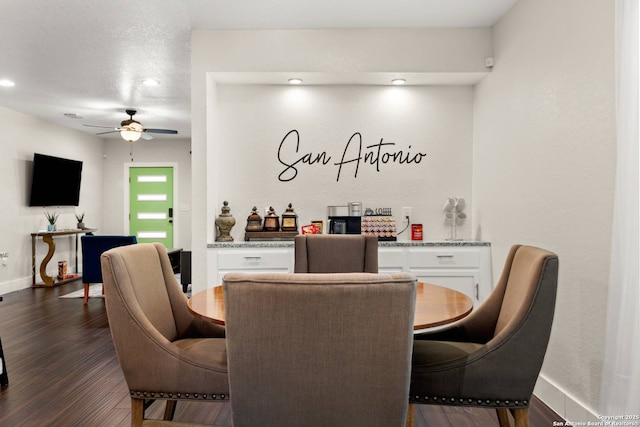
[
  {"x": 164, "y": 351},
  {"x": 92, "y": 247},
  {"x": 492, "y": 358},
  {"x": 319, "y": 350},
  {"x": 336, "y": 253}
]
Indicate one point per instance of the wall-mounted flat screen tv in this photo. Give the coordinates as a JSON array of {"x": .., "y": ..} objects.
[{"x": 56, "y": 181}]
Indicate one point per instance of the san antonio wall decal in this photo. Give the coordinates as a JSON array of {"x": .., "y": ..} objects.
[{"x": 374, "y": 155}]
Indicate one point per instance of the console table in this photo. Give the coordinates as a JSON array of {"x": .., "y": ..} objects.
[{"x": 47, "y": 237}]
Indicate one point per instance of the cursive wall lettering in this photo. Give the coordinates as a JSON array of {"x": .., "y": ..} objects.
[
  {"x": 375, "y": 155},
  {"x": 291, "y": 171}
]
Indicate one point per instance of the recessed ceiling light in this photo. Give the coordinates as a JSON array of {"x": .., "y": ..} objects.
[
  {"x": 295, "y": 81},
  {"x": 150, "y": 82},
  {"x": 398, "y": 81},
  {"x": 7, "y": 83}
]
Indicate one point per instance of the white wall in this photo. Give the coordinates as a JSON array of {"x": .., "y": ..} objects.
[
  {"x": 170, "y": 152},
  {"x": 252, "y": 159},
  {"x": 22, "y": 135},
  {"x": 101, "y": 195},
  {"x": 437, "y": 52},
  {"x": 543, "y": 157},
  {"x": 544, "y": 162}
]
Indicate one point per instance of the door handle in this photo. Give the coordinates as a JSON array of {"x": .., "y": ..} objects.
[{"x": 170, "y": 212}]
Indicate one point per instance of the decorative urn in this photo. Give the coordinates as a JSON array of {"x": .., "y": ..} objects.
[
  {"x": 254, "y": 221},
  {"x": 224, "y": 223},
  {"x": 271, "y": 220}
]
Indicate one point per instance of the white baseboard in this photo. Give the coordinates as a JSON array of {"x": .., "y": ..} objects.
[
  {"x": 15, "y": 285},
  {"x": 563, "y": 403}
]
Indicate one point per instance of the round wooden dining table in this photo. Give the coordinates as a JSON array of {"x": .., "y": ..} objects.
[{"x": 435, "y": 305}]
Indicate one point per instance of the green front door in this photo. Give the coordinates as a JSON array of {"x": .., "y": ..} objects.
[{"x": 151, "y": 204}]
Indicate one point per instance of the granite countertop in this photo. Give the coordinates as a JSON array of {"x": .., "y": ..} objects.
[{"x": 290, "y": 244}]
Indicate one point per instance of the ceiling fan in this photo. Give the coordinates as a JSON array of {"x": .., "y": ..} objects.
[{"x": 132, "y": 130}]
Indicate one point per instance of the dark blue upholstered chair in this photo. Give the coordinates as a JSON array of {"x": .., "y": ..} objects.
[{"x": 92, "y": 248}]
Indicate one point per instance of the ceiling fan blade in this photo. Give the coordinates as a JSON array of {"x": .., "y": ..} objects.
[
  {"x": 146, "y": 136},
  {"x": 104, "y": 127},
  {"x": 111, "y": 131},
  {"x": 167, "y": 131}
]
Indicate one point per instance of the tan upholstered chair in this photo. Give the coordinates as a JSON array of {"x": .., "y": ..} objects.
[
  {"x": 164, "y": 351},
  {"x": 493, "y": 357},
  {"x": 318, "y": 350},
  {"x": 336, "y": 253}
]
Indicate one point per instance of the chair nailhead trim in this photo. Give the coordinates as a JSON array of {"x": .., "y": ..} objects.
[
  {"x": 470, "y": 401},
  {"x": 190, "y": 396}
]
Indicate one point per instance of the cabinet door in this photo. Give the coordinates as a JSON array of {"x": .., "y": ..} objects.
[{"x": 465, "y": 281}]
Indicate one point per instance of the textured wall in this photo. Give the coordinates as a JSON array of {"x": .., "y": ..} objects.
[
  {"x": 22, "y": 135},
  {"x": 258, "y": 164},
  {"x": 155, "y": 152},
  {"x": 345, "y": 52},
  {"x": 544, "y": 162}
]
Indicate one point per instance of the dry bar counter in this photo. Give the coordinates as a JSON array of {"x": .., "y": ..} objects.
[{"x": 463, "y": 265}]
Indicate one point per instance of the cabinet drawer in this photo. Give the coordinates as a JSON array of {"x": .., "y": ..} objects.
[
  {"x": 391, "y": 258},
  {"x": 255, "y": 260},
  {"x": 443, "y": 258}
]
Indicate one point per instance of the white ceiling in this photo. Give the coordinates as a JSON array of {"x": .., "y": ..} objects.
[{"x": 90, "y": 56}]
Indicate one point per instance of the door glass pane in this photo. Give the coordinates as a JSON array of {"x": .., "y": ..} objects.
[
  {"x": 152, "y": 197},
  {"x": 152, "y": 178}
]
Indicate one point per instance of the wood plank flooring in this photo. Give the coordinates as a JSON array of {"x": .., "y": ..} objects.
[{"x": 63, "y": 371}]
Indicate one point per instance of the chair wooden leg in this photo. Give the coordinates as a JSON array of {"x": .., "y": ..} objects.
[
  {"x": 170, "y": 410},
  {"x": 137, "y": 412},
  {"x": 410, "y": 413},
  {"x": 503, "y": 417},
  {"x": 86, "y": 293},
  {"x": 521, "y": 416}
]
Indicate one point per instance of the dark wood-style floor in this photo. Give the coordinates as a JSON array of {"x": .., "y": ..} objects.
[{"x": 63, "y": 371}]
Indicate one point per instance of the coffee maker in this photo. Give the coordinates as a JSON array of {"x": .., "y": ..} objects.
[{"x": 345, "y": 219}]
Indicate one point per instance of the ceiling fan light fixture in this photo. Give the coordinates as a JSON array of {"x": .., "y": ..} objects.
[{"x": 131, "y": 132}]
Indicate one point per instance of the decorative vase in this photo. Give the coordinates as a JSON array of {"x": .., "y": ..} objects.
[
  {"x": 254, "y": 221},
  {"x": 80, "y": 225},
  {"x": 271, "y": 220},
  {"x": 224, "y": 223},
  {"x": 51, "y": 227}
]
